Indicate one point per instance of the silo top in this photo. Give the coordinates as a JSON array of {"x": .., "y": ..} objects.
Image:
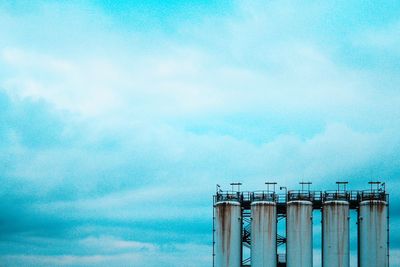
[
  {"x": 372, "y": 202},
  {"x": 263, "y": 203},
  {"x": 233, "y": 203},
  {"x": 299, "y": 202},
  {"x": 336, "y": 202}
]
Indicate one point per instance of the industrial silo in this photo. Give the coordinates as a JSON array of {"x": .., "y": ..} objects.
[
  {"x": 228, "y": 227},
  {"x": 335, "y": 233},
  {"x": 299, "y": 247},
  {"x": 373, "y": 238},
  {"x": 263, "y": 234}
]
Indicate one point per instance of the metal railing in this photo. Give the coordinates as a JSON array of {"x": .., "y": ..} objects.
[
  {"x": 300, "y": 195},
  {"x": 281, "y": 258},
  {"x": 372, "y": 195},
  {"x": 313, "y": 196},
  {"x": 336, "y": 195},
  {"x": 229, "y": 196},
  {"x": 263, "y": 196}
]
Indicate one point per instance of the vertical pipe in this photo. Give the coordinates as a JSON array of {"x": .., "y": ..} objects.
[
  {"x": 358, "y": 237},
  {"x": 263, "y": 234},
  {"x": 241, "y": 236},
  {"x": 213, "y": 237},
  {"x": 336, "y": 235},
  {"x": 387, "y": 229},
  {"x": 299, "y": 234},
  {"x": 228, "y": 234},
  {"x": 373, "y": 234}
]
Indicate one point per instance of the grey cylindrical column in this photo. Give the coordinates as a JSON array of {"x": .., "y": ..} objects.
[
  {"x": 228, "y": 243},
  {"x": 335, "y": 231},
  {"x": 299, "y": 246},
  {"x": 373, "y": 233},
  {"x": 263, "y": 234}
]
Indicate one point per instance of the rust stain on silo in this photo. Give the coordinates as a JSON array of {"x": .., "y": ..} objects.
[{"x": 224, "y": 215}]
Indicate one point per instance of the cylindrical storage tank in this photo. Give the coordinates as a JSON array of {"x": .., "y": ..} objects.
[
  {"x": 263, "y": 234},
  {"x": 228, "y": 227},
  {"x": 373, "y": 246},
  {"x": 299, "y": 248},
  {"x": 335, "y": 234}
]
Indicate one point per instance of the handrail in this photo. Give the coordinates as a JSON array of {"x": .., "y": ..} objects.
[
  {"x": 263, "y": 196},
  {"x": 314, "y": 196}
]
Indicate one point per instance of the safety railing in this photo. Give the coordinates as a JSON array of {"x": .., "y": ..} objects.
[
  {"x": 228, "y": 196},
  {"x": 314, "y": 196},
  {"x": 263, "y": 196},
  {"x": 372, "y": 195},
  {"x": 281, "y": 258},
  {"x": 336, "y": 195},
  {"x": 300, "y": 195}
]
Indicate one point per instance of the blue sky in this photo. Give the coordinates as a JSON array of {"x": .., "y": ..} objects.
[{"x": 117, "y": 120}]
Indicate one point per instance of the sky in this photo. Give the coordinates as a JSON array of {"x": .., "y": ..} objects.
[{"x": 117, "y": 120}]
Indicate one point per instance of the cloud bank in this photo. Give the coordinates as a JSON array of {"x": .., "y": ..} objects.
[{"x": 118, "y": 120}]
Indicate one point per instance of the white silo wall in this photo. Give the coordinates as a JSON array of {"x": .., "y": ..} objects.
[
  {"x": 263, "y": 234},
  {"x": 373, "y": 233},
  {"x": 335, "y": 234},
  {"x": 299, "y": 246},
  {"x": 228, "y": 229}
]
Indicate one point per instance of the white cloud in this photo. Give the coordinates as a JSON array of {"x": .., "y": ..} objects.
[
  {"x": 179, "y": 79},
  {"x": 162, "y": 203},
  {"x": 384, "y": 38},
  {"x": 184, "y": 254},
  {"x": 107, "y": 244},
  {"x": 130, "y": 97}
]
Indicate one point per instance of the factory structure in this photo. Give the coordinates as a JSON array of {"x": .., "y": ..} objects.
[{"x": 245, "y": 226}]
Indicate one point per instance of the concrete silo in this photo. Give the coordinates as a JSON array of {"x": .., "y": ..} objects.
[
  {"x": 299, "y": 246},
  {"x": 228, "y": 228},
  {"x": 373, "y": 237},
  {"x": 263, "y": 234},
  {"x": 245, "y": 229},
  {"x": 335, "y": 234}
]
